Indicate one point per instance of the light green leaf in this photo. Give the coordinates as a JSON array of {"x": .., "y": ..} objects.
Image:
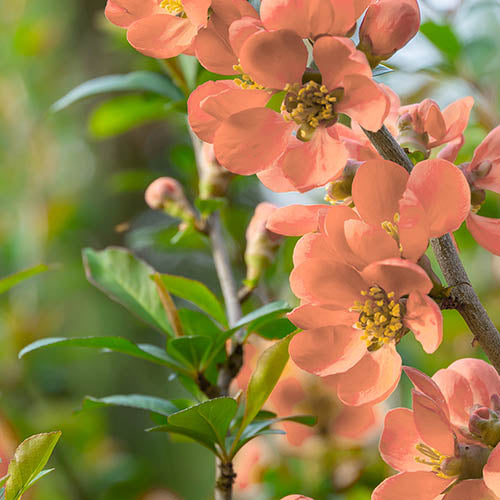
[
  {"x": 196, "y": 293},
  {"x": 115, "y": 344},
  {"x": 198, "y": 323},
  {"x": 189, "y": 66},
  {"x": 123, "y": 113},
  {"x": 208, "y": 207},
  {"x": 274, "y": 329},
  {"x": 139, "y": 401},
  {"x": 3, "y": 480},
  {"x": 126, "y": 279},
  {"x": 267, "y": 311},
  {"x": 39, "y": 476},
  {"x": 29, "y": 460},
  {"x": 137, "y": 81},
  {"x": 9, "y": 281},
  {"x": 443, "y": 38},
  {"x": 269, "y": 368}
]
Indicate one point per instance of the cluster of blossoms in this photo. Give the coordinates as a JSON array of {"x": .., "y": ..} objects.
[{"x": 360, "y": 270}]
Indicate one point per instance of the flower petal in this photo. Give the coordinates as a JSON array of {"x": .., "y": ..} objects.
[
  {"x": 364, "y": 101},
  {"x": 372, "y": 379},
  {"x": 419, "y": 485},
  {"x": 355, "y": 422},
  {"x": 251, "y": 140},
  {"x": 423, "y": 317},
  {"x": 274, "y": 58},
  {"x": 275, "y": 180},
  {"x": 309, "y": 316},
  {"x": 326, "y": 282},
  {"x": 161, "y": 36},
  {"x": 399, "y": 276},
  {"x": 312, "y": 245},
  {"x": 124, "y": 12},
  {"x": 488, "y": 150},
  {"x": 197, "y": 11},
  {"x": 486, "y": 231},
  {"x": 312, "y": 164},
  {"x": 327, "y": 351},
  {"x": 471, "y": 489},
  {"x": 399, "y": 440},
  {"x": 491, "y": 471},
  {"x": 296, "y": 220},
  {"x": 443, "y": 192},
  {"x": 377, "y": 188},
  {"x": 432, "y": 424}
]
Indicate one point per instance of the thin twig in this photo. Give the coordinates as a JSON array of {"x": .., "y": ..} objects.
[{"x": 463, "y": 294}]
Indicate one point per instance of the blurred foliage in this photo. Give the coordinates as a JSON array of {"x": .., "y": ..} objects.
[{"x": 76, "y": 179}]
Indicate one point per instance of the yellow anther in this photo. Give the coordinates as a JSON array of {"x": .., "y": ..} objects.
[
  {"x": 433, "y": 458},
  {"x": 246, "y": 82},
  {"x": 173, "y": 7}
]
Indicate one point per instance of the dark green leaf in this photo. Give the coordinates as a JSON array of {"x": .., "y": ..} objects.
[
  {"x": 274, "y": 329},
  {"x": 115, "y": 344},
  {"x": 139, "y": 401},
  {"x": 9, "y": 281},
  {"x": 123, "y": 113},
  {"x": 27, "y": 465},
  {"x": 137, "y": 81},
  {"x": 196, "y": 293},
  {"x": 192, "y": 352},
  {"x": 443, "y": 38},
  {"x": 198, "y": 323},
  {"x": 126, "y": 279},
  {"x": 208, "y": 207}
]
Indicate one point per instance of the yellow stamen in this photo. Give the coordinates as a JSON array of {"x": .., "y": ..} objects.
[
  {"x": 433, "y": 458},
  {"x": 379, "y": 318},
  {"x": 173, "y": 7},
  {"x": 246, "y": 81}
]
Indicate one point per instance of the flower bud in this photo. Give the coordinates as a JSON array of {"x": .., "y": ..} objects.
[
  {"x": 340, "y": 191},
  {"x": 410, "y": 140},
  {"x": 484, "y": 424},
  {"x": 214, "y": 178},
  {"x": 262, "y": 244},
  {"x": 168, "y": 195},
  {"x": 387, "y": 27}
]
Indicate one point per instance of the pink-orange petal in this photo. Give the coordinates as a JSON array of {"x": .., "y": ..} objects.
[
  {"x": 457, "y": 393},
  {"x": 309, "y": 316},
  {"x": 491, "y": 471},
  {"x": 486, "y": 231},
  {"x": 274, "y": 179},
  {"x": 197, "y": 11},
  {"x": 324, "y": 156},
  {"x": 161, "y": 36},
  {"x": 483, "y": 378},
  {"x": 325, "y": 282},
  {"x": 251, "y": 140},
  {"x": 312, "y": 245},
  {"x": 372, "y": 379},
  {"x": 296, "y": 220},
  {"x": 427, "y": 386},
  {"x": 124, "y": 12},
  {"x": 355, "y": 422},
  {"x": 432, "y": 424},
  {"x": 423, "y": 317},
  {"x": 377, "y": 188},
  {"x": 274, "y": 58},
  {"x": 348, "y": 60},
  {"x": 399, "y": 440},
  {"x": 241, "y": 30},
  {"x": 456, "y": 117},
  {"x": 471, "y": 489},
  {"x": 443, "y": 192},
  {"x": 419, "y": 485},
  {"x": 364, "y": 101},
  {"x": 399, "y": 276}
]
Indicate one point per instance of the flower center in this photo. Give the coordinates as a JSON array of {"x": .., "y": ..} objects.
[
  {"x": 173, "y": 7},
  {"x": 437, "y": 461},
  {"x": 310, "y": 105},
  {"x": 379, "y": 318}
]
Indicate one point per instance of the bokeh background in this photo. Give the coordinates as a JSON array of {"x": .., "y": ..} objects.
[{"x": 76, "y": 179}]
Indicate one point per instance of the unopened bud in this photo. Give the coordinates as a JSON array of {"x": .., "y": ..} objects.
[
  {"x": 214, "y": 178},
  {"x": 410, "y": 140},
  {"x": 262, "y": 244},
  {"x": 168, "y": 195},
  {"x": 387, "y": 27},
  {"x": 485, "y": 425}
]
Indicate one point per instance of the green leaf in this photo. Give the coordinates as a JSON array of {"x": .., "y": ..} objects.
[
  {"x": 267, "y": 311},
  {"x": 115, "y": 344},
  {"x": 380, "y": 70},
  {"x": 121, "y": 114},
  {"x": 137, "y": 81},
  {"x": 196, "y": 293},
  {"x": 9, "y": 281},
  {"x": 207, "y": 423},
  {"x": 269, "y": 368},
  {"x": 198, "y": 323},
  {"x": 192, "y": 352},
  {"x": 190, "y": 67},
  {"x": 443, "y": 38},
  {"x": 126, "y": 279},
  {"x": 275, "y": 101},
  {"x": 3, "y": 480},
  {"x": 156, "y": 405},
  {"x": 27, "y": 465},
  {"x": 39, "y": 476},
  {"x": 275, "y": 329},
  {"x": 208, "y": 207}
]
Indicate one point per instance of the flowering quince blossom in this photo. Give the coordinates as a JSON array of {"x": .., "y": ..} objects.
[
  {"x": 251, "y": 138},
  {"x": 447, "y": 446},
  {"x": 483, "y": 173},
  {"x": 396, "y": 214},
  {"x": 159, "y": 28},
  {"x": 296, "y": 497}
]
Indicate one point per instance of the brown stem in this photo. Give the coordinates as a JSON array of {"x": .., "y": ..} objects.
[
  {"x": 464, "y": 297},
  {"x": 225, "y": 480}
]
